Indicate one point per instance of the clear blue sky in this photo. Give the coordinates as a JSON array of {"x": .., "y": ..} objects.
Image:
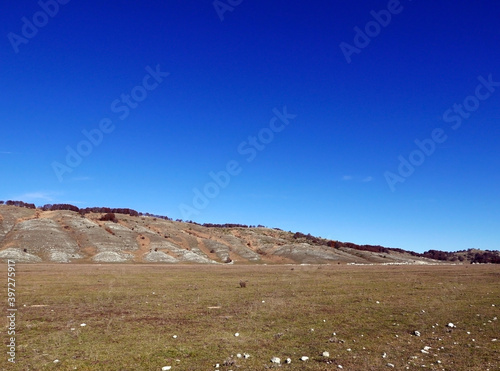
[{"x": 358, "y": 92}]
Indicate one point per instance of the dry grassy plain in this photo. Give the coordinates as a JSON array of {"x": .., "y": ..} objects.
[{"x": 132, "y": 313}]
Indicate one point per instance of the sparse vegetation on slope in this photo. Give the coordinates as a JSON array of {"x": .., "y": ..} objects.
[{"x": 66, "y": 233}]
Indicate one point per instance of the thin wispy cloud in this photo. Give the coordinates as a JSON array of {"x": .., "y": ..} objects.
[
  {"x": 37, "y": 196},
  {"x": 347, "y": 177},
  {"x": 73, "y": 202},
  {"x": 368, "y": 179}
]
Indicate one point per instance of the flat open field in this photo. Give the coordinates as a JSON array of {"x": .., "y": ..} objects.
[{"x": 145, "y": 317}]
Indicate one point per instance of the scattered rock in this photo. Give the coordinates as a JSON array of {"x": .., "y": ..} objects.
[
  {"x": 304, "y": 358},
  {"x": 165, "y": 368},
  {"x": 425, "y": 350},
  {"x": 288, "y": 360},
  {"x": 451, "y": 325},
  {"x": 336, "y": 340},
  {"x": 326, "y": 354},
  {"x": 237, "y": 334},
  {"x": 390, "y": 365},
  {"x": 276, "y": 360},
  {"x": 416, "y": 333}
]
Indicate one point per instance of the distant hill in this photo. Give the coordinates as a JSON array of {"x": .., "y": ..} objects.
[{"x": 65, "y": 233}]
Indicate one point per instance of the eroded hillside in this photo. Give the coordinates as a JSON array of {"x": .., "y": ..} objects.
[{"x": 33, "y": 235}]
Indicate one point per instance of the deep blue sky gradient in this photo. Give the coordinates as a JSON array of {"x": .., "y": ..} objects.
[{"x": 323, "y": 174}]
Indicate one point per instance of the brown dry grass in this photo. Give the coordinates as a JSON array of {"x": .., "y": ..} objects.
[{"x": 133, "y": 311}]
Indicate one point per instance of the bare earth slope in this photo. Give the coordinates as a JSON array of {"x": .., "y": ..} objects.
[{"x": 32, "y": 235}]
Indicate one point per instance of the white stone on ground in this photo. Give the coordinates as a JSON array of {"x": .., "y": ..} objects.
[{"x": 426, "y": 349}]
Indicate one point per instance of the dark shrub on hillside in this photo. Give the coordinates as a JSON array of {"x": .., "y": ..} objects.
[
  {"x": 20, "y": 204},
  {"x": 50, "y": 207},
  {"x": 109, "y": 217}
]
